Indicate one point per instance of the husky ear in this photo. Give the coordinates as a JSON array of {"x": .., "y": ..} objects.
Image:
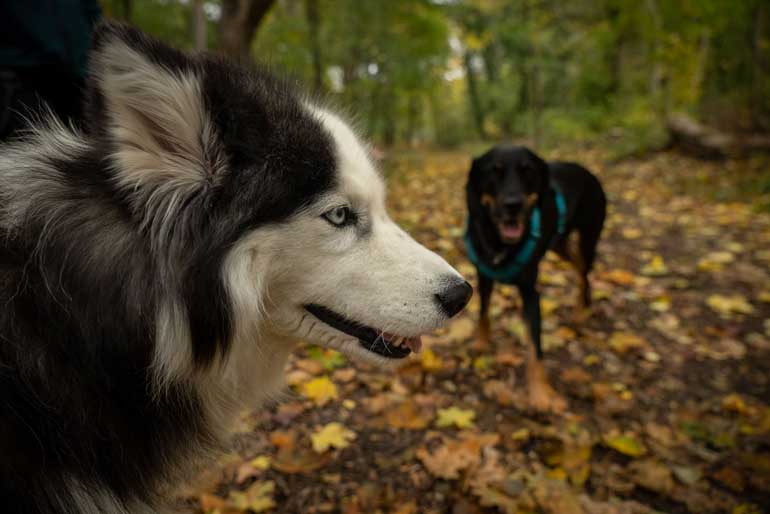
[{"x": 155, "y": 112}]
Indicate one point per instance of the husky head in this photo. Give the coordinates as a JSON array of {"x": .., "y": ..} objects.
[{"x": 264, "y": 213}]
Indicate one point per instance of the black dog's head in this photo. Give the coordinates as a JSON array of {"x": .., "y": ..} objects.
[{"x": 504, "y": 186}]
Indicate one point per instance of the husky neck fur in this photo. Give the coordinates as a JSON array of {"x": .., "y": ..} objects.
[{"x": 158, "y": 262}]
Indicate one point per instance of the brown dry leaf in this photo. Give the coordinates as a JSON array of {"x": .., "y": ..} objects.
[
  {"x": 299, "y": 461},
  {"x": 576, "y": 375},
  {"x": 283, "y": 439},
  {"x": 407, "y": 415},
  {"x": 456, "y": 455},
  {"x": 311, "y": 366},
  {"x": 576, "y": 462},
  {"x": 448, "y": 460},
  {"x": 620, "y": 277},
  {"x": 460, "y": 330},
  {"x": 406, "y": 508},
  {"x": 210, "y": 502},
  {"x": 489, "y": 483},
  {"x": 555, "y": 497},
  {"x": 653, "y": 475},
  {"x": 731, "y": 478},
  {"x": 500, "y": 392},
  {"x": 735, "y": 403},
  {"x": 344, "y": 374},
  {"x": 507, "y": 358}
]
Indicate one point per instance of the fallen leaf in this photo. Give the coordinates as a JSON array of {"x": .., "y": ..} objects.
[
  {"x": 321, "y": 390},
  {"x": 333, "y": 435},
  {"x": 257, "y": 498},
  {"x": 653, "y": 475},
  {"x": 460, "y": 330},
  {"x": 620, "y": 277},
  {"x": 656, "y": 267},
  {"x": 430, "y": 361},
  {"x": 623, "y": 342},
  {"x": 731, "y": 478},
  {"x": 626, "y": 444},
  {"x": 460, "y": 418},
  {"x": 687, "y": 475},
  {"x": 729, "y": 304},
  {"x": 454, "y": 455},
  {"x": 407, "y": 415}
]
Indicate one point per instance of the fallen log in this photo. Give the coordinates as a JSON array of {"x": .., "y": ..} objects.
[{"x": 708, "y": 143}]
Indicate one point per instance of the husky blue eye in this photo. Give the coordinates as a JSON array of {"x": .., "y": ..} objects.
[{"x": 339, "y": 216}]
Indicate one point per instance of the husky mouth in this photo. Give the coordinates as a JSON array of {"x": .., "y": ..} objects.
[{"x": 376, "y": 341}]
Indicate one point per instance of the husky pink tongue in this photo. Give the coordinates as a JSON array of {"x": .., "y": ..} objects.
[
  {"x": 414, "y": 343},
  {"x": 511, "y": 231}
]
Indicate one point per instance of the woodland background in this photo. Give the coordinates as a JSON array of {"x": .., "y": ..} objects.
[{"x": 448, "y": 71}]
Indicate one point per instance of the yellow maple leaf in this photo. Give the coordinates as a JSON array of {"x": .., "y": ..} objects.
[
  {"x": 430, "y": 361},
  {"x": 333, "y": 435},
  {"x": 321, "y": 390},
  {"x": 729, "y": 304},
  {"x": 461, "y": 418},
  {"x": 655, "y": 267},
  {"x": 257, "y": 498},
  {"x": 622, "y": 342}
]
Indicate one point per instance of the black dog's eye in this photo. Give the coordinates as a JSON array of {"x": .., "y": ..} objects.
[{"x": 339, "y": 216}]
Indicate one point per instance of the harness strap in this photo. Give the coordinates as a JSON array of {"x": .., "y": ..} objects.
[{"x": 511, "y": 271}]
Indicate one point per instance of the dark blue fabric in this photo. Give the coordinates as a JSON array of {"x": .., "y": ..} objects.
[
  {"x": 508, "y": 273},
  {"x": 50, "y": 34}
]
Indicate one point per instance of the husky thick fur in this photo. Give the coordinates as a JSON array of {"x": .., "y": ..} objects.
[{"x": 158, "y": 262}]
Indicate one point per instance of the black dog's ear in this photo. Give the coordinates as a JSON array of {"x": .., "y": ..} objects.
[
  {"x": 473, "y": 187},
  {"x": 543, "y": 173}
]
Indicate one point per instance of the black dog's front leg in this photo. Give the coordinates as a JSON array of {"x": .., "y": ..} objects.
[
  {"x": 485, "y": 292},
  {"x": 531, "y": 300},
  {"x": 542, "y": 397}
]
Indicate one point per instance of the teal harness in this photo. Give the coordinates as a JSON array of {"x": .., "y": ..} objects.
[{"x": 509, "y": 273}]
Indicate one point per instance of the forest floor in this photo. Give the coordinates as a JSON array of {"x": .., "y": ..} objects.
[{"x": 667, "y": 383}]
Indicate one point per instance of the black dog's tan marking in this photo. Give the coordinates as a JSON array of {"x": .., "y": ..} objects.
[{"x": 506, "y": 185}]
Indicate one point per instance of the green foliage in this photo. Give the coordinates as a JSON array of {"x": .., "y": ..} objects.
[{"x": 449, "y": 71}]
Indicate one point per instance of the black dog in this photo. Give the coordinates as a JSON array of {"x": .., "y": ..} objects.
[{"x": 519, "y": 207}]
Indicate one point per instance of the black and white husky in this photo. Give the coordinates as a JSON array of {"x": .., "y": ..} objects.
[{"x": 157, "y": 263}]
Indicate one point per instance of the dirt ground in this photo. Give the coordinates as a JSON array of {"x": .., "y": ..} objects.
[{"x": 667, "y": 382}]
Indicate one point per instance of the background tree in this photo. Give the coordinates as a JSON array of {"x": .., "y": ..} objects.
[{"x": 546, "y": 71}]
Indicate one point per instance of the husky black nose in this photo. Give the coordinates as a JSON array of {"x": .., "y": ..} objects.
[{"x": 455, "y": 296}]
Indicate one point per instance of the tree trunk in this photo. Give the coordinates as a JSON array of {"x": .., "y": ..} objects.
[
  {"x": 412, "y": 111},
  {"x": 127, "y": 6},
  {"x": 389, "y": 128},
  {"x": 314, "y": 24},
  {"x": 473, "y": 96},
  {"x": 240, "y": 19},
  {"x": 657, "y": 77},
  {"x": 759, "y": 102},
  {"x": 708, "y": 143},
  {"x": 198, "y": 25}
]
